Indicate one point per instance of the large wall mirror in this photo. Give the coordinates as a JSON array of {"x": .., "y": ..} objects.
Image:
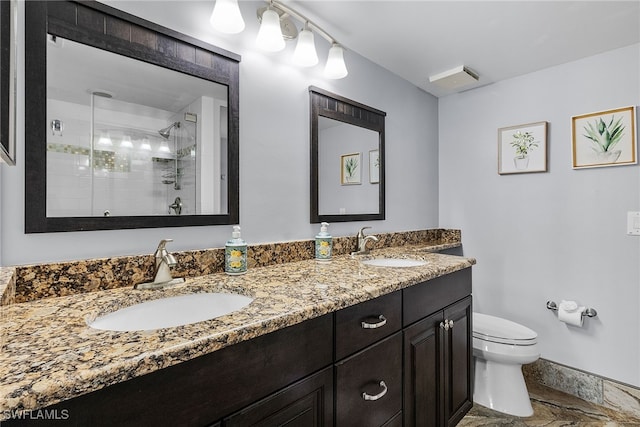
[
  {"x": 128, "y": 124},
  {"x": 8, "y": 40},
  {"x": 347, "y": 159}
]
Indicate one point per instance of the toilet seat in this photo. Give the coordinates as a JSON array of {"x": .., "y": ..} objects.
[{"x": 502, "y": 331}]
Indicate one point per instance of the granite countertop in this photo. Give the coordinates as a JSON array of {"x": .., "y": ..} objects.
[{"x": 50, "y": 354}]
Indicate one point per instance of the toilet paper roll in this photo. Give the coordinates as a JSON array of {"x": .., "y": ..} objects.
[
  {"x": 568, "y": 306},
  {"x": 574, "y": 317}
]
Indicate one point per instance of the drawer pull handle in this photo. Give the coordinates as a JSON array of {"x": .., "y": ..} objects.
[
  {"x": 366, "y": 396},
  {"x": 381, "y": 323}
]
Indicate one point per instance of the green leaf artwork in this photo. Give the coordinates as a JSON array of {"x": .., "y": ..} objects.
[
  {"x": 350, "y": 166},
  {"x": 604, "y": 136},
  {"x": 523, "y": 142}
]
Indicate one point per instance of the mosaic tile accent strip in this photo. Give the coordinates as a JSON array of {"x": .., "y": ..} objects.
[
  {"x": 68, "y": 278},
  {"x": 68, "y": 149},
  {"x": 111, "y": 161}
]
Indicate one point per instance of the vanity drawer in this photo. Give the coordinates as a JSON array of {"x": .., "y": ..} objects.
[
  {"x": 364, "y": 372},
  {"x": 361, "y": 325},
  {"x": 426, "y": 298}
]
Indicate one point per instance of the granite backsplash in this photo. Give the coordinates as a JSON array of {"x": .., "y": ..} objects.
[{"x": 32, "y": 282}]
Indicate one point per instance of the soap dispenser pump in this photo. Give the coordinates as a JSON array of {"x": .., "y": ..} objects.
[
  {"x": 324, "y": 244},
  {"x": 235, "y": 254}
]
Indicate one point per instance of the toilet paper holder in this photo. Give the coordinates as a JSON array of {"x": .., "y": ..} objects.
[{"x": 589, "y": 312}]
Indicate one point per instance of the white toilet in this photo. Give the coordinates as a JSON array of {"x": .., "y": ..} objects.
[{"x": 500, "y": 348}]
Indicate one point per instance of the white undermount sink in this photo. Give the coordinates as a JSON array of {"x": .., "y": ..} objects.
[
  {"x": 394, "y": 262},
  {"x": 171, "y": 311}
]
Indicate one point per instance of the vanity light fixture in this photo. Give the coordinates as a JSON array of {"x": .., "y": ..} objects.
[
  {"x": 335, "y": 68},
  {"x": 276, "y": 27},
  {"x": 270, "y": 35},
  {"x": 145, "y": 145},
  {"x": 305, "y": 54},
  {"x": 105, "y": 139},
  {"x": 164, "y": 147},
  {"x": 226, "y": 17},
  {"x": 126, "y": 142}
]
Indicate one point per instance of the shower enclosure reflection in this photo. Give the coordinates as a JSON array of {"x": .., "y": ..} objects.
[{"x": 153, "y": 143}]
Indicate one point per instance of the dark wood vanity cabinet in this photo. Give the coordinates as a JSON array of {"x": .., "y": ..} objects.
[
  {"x": 307, "y": 403},
  {"x": 428, "y": 326},
  {"x": 369, "y": 382},
  {"x": 402, "y": 359},
  {"x": 438, "y": 364}
]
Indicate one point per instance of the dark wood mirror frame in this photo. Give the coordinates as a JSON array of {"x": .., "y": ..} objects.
[
  {"x": 7, "y": 50},
  {"x": 107, "y": 28},
  {"x": 327, "y": 104}
]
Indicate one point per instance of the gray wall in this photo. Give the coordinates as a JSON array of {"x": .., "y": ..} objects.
[
  {"x": 555, "y": 235},
  {"x": 274, "y": 150}
]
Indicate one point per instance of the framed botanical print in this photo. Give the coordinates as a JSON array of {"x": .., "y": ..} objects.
[
  {"x": 522, "y": 148},
  {"x": 604, "y": 138},
  {"x": 351, "y": 169}
]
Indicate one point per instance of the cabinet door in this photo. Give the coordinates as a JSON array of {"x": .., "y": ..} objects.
[
  {"x": 458, "y": 361},
  {"x": 423, "y": 379},
  {"x": 307, "y": 403},
  {"x": 396, "y": 421}
]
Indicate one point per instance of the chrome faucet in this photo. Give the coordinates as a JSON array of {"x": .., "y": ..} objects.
[
  {"x": 163, "y": 263},
  {"x": 362, "y": 242},
  {"x": 176, "y": 206}
]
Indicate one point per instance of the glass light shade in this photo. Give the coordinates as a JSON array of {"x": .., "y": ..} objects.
[
  {"x": 105, "y": 139},
  {"x": 335, "y": 68},
  {"x": 270, "y": 35},
  {"x": 226, "y": 17},
  {"x": 126, "y": 142},
  {"x": 164, "y": 147},
  {"x": 305, "y": 54},
  {"x": 145, "y": 145}
]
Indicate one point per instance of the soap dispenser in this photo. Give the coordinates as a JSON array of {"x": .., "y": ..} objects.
[
  {"x": 235, "y": 254},
  {"x": 324, "y": 244}
]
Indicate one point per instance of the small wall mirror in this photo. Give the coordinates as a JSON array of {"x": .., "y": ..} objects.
[
  {"x": 347, "y": 159},
  {"x": 130, "y": 125}
]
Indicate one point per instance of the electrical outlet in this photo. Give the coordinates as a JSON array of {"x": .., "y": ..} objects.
[{"x": 633, "y": 223}]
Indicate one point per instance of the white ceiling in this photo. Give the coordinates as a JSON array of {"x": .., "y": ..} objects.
[{"x": 496, "y": 39}]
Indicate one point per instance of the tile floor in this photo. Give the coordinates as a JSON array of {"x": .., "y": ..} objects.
[{"x": 551, "y": 408}]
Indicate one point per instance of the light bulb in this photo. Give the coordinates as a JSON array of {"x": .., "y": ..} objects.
[
  {"x": 335, "y": 68},
  {"x": 305, "y": 54},
  {"x": 145, "y": 145},
  {"x": 164, "y": 147},
  {"x": 126, "y": 142},
  {"x": 226, "y": 17},
  {"x": 270, "y": 35},
  {"x": 105, "y": 139}
]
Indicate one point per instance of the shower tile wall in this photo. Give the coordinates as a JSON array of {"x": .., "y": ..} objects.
[{"x": 129, "y": 173}]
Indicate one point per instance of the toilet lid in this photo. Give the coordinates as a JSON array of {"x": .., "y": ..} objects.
[{"x": 496, "y": 329}]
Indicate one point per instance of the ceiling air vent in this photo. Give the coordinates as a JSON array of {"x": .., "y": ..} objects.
[{"x": 454, "y": 78}]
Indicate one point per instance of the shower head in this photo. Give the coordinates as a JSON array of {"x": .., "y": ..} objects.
[{"x": 165, "y": 132}]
